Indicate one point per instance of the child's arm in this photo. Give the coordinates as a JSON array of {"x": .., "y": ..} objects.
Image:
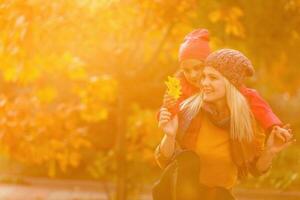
[{"x": 261, "y": 110}]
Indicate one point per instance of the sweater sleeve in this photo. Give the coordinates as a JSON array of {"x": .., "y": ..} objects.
[
  {"x": 162, "y": 160},
  {"x": 255, "y": 172},
  {"x": 260, "y": 139},
  {"x": 246, "y": 154},
  {"x": 261, "y": 109}
]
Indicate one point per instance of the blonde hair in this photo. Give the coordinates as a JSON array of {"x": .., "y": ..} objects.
[
  {"x": 242, "y": 122},
  {"x": 191, "y": 106}
]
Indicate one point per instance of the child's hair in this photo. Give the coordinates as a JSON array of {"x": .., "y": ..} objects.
[{"x": 242, "y": 123}]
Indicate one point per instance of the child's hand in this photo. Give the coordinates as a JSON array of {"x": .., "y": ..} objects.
[
  {"x": 279, "y": 139},
  {"x": 283, "y": 133},
  {"x": 166, "y": 123},
  {"x": 169, "y": 101}
]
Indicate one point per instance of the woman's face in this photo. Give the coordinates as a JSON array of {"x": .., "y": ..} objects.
[
  {"x": 192, "y": 70},
  {"x": 213, "y": 85}
]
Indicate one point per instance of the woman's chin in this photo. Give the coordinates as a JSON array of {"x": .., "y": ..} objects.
[
  {"x": 207, "y": 98},
  {"x": 210, "y": 98}
]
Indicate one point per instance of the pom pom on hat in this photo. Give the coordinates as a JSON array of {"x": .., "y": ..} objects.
[{"x": 195, "y": 45}]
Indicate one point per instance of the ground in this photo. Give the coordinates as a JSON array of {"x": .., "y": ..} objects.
[{"x": 48, "y": 189}]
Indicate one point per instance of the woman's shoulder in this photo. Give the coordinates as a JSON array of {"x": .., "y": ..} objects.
[{"x": 185, "y": 121}]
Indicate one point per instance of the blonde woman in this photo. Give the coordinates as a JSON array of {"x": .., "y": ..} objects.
[{"x": 218, "y": 126}]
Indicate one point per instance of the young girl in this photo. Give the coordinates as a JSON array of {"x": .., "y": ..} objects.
[{"x": 218, "y": 125}]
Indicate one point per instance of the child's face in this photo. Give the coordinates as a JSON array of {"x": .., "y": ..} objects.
[{"x": 192, "y": 70}]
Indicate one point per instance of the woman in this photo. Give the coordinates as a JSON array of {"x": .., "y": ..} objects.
[{"x": 218, "y": 125}]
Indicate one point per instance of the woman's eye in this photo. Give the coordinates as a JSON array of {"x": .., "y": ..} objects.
[
  {"x": 213, "y": 78},
  {"x": 199, "y": 67},
  {"x": 187, "y": 70}
]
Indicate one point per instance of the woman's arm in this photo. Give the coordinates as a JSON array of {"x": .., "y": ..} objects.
[
  {"x": 163, "y": 158},
  {"x": 167, "y": 146},
  {"x": 264, "y": 162}
]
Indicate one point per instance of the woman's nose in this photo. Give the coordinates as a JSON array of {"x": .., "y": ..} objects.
[{"x": 194, "y": 74}]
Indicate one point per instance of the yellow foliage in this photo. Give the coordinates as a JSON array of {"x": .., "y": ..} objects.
[
  {"x": 231, "y": 16},
  {"x": 99, "y": 92},
  {"x": 77, "y": 69},
  {"x": 51, "y": 168},
  {"x": 80, "y": 142},
  {"x": 47, "y": 94},
  {"x": 174, "y": 87},
  {"x": 74, "y": 159},
  {"x": 29, "y": 75},
  {"x": 215, "y": 16},
  {"x": 61, "y": 63},
  {"x": 11, "y": 73}
]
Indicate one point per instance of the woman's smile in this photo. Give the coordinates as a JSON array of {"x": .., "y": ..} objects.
[{"x": 213, "y": 85}]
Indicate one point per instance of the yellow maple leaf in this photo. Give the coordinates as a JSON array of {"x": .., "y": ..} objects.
[{"x": 174, "y": 87}]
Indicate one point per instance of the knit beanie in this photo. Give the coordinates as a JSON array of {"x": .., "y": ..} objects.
[
  {"x": 195, "y": 45},
  {"x": 232, "y": 64}
]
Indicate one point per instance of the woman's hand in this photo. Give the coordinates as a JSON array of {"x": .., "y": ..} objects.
[
  {"x": 279, "y": 139},
  {"x": 168, "y": 124}
]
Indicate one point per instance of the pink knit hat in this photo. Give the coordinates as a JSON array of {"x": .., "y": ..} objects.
[
  {"x": 232, "y": 64},
  {"x": 195, "y": 45}
]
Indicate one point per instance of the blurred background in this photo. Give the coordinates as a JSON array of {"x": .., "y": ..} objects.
[{"x": 81, "y": 82}]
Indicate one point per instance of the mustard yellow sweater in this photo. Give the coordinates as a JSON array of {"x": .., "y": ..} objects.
[{"x": 213, "y": 148}]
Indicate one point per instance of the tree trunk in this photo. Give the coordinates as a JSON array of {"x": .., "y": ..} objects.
[{"x": 121, "y": 149}]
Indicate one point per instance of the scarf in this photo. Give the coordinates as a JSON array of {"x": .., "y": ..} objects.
[{"x": 244, "y": 153}]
